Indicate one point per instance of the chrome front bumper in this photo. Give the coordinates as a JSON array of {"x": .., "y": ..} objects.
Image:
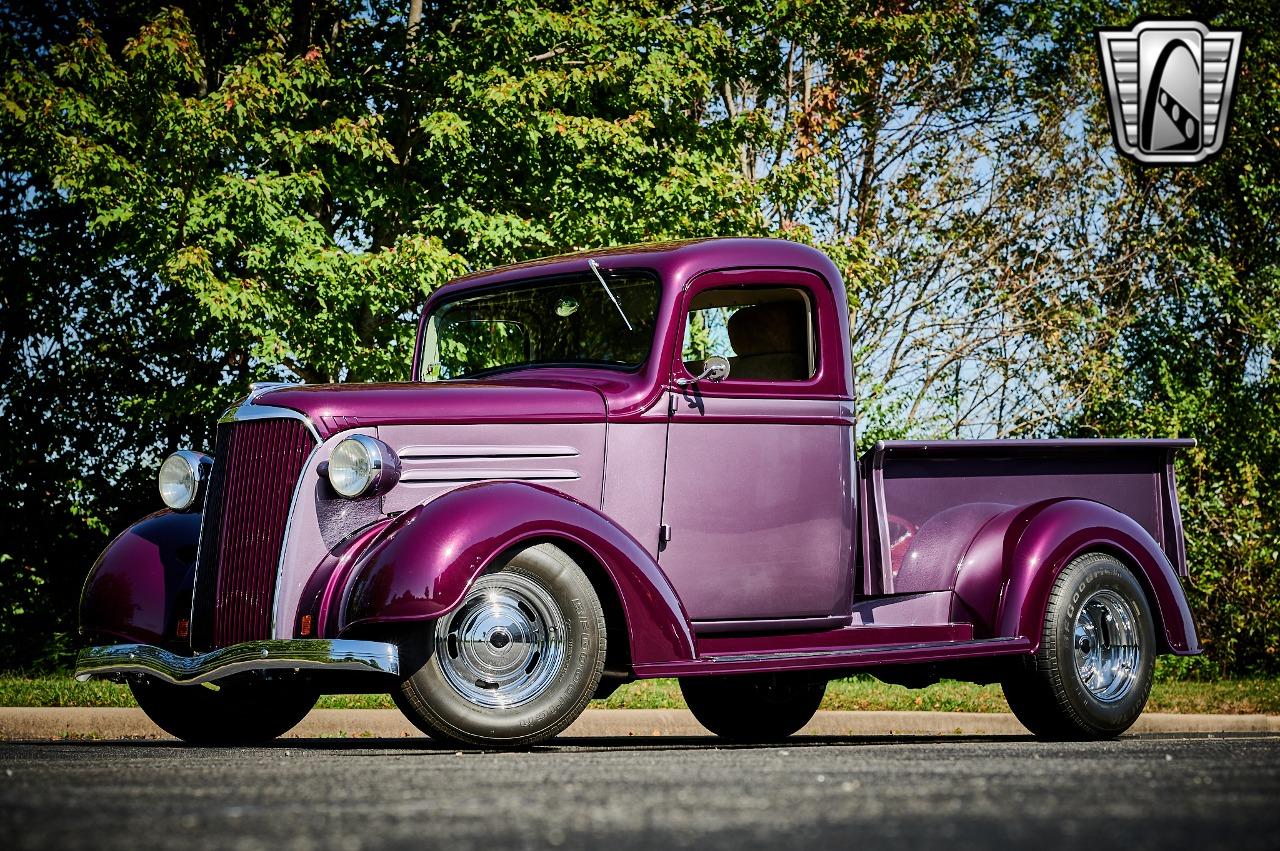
[{"x": 296, "y": 654}]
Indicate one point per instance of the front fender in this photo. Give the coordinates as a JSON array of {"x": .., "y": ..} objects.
[
  {"x": 421, "y": 566},
  {"x": 141, "y": 584},
  {"x": 1043, "y": 539}
]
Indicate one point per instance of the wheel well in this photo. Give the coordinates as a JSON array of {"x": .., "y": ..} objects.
[
  {"x": 1157, "y": 617},
  {"x": 617, "y": 660}
]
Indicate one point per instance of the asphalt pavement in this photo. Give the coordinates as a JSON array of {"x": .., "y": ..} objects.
[
  {"x": 869, "y": 792},
  {"x": 77, "y": 722}
]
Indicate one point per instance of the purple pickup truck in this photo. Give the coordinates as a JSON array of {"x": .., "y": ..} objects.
[{"x": 627, "y": 464}]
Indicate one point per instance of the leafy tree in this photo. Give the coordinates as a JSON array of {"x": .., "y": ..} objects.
[
  {"x": 1200, "y": 359},
  {"x": 196, "y": 197},
  {"x": 935, "y": 151}
]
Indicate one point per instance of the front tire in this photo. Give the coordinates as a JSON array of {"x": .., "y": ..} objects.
[
  {"x": 243, "y": 712},
  {"x": 751, "y": 707},
  {"x": 1092, "y": 675},
  {"x": 517, "y": 661}
]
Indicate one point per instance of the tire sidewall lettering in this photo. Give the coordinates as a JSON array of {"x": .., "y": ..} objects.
[{"x": 1085, "y": 580}]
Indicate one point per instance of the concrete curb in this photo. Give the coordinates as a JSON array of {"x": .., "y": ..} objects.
[{"x": 84, "y": 723}]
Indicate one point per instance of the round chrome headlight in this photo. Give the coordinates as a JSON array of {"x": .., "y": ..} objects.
[
  {"x": 182, "y": 477},
  {"x": 361, "y": 465}
]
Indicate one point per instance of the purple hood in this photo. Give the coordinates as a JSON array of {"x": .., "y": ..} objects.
[{"x": 336, "y": 407}]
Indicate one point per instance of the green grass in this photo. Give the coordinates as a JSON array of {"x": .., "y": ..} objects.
[
  {"x": 1232, "y": 697},
  {"x": 1229, "y": 697},
  {"x": 54, "y": 690}
]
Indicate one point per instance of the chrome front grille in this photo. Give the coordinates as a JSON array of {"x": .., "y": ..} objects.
[{"x": 256, "y": 467}]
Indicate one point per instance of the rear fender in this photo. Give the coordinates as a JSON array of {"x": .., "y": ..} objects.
[
  {"x": 421, "y": 566},
  {"x": 141, "y": 585},
  {"x": 1023, "y": 551}
]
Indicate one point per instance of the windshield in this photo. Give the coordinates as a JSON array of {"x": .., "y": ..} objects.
[{"x": 570, "y": 321}]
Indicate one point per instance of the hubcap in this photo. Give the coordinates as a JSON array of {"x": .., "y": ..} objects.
[
  {"x": 1108, "y": 653},
  {"x": 505, "y": 644}
]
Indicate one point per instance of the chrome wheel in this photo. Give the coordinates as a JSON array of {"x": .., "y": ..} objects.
[
  {"x": 505, "y": 644},
  {"x": 1107, "y": 645}
]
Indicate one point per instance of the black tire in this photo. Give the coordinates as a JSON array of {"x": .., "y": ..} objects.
[
  {"x": 238, "y": 712},
  {"x": 753, "y": 708},
  {"x": 1090, "y": 683},
  {"x": 541, "y": 592}
]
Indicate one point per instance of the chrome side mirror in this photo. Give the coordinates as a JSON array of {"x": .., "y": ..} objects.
[{"x": 714, "y": 368}]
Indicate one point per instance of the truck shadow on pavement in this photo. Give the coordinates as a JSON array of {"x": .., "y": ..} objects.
[
  {"x": 573, "y": 744},
  {"x": 608, "y": 744}
]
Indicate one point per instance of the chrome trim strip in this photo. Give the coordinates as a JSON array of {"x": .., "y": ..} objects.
[
  {"x": 985, "y": 643},
  {"x": 310, "y": 654},
  {"x": 426, "y": 453},
  {"x": 439, "y": 476},
  {"x": 257, "y": 388},
  {"x": 288, "y": 533},
  {"x": 246, "y": 410},
  {"x": 771, "y": 625},
  {"x": 195, "y": 571}
]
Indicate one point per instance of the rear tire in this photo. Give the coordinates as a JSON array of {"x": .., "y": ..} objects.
[
  {"x": 1092, "y": 675},
  {"x": 517, "y": 661},
  {"x": 753, "y": 707},
  {"x": 242, "y": 712}
]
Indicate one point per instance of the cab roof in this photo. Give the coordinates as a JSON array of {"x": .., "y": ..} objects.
[{"x": 675, "y": 262}]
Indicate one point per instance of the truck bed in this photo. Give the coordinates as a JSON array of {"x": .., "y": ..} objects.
[{"x": 923, "y": 501}]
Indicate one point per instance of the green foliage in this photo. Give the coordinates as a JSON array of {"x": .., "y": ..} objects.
[
  {"x": 1200, "y": 360},
  {"x": 697, "y": 339},
  {"x": 222, "y": 197},
  {"x": 193, "y": 197}
]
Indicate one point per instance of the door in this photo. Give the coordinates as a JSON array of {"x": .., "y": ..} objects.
[{"x": 759, "y": 467}]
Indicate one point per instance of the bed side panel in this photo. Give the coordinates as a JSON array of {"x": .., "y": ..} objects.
[{"x": 927, "y": 506}]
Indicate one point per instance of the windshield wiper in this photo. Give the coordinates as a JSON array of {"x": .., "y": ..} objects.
[{"x": 595, "y": 267}]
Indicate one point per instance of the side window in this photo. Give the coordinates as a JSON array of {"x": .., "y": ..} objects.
[{"x": 766, "y": 333}]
